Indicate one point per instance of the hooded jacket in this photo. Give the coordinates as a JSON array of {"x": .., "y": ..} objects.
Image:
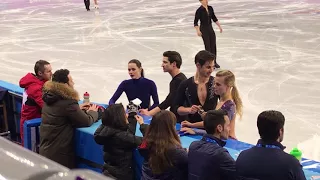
[
  {"x": 32, "y": 99},
  {"x": 61, "y": 114},
  {"x": 118, "y": 147}
]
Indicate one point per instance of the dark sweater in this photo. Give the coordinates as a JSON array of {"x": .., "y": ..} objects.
[
  {"x": 141, "y": 88},
  {"x": 174, "y": 85},
  {"x": 266, "y": 163}
]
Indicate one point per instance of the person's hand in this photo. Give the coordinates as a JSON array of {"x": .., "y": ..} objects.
[
  {"x": 186, "y": 124},
  {"x": 84, "y": 106},
  {"x": 139, "y": 119},
  {"x": 194, "y": 109},
  {"x": 93, "y": 107},
  {"x": 144, "y": 112},
  {"x": 220, "y": 29},
  {"x": 199, "y": 33},
  {"x": 203, "y": 115},
  {"x": 187, "y": 130}
]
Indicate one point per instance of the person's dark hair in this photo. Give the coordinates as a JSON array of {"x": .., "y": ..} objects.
[
  {"x": 204, "y": 56},
  {"x": 138, "y": 63},
  {"x": 61, "y": 76},
  {"x": 212, "y": 119},
  {"x": 114, "y": 116},
  {"x": 160, "y": 137},
  {"x": 39, "y": 66},
  {"x": 173, "y": 56},
  {"x": 269, "y": 124}
]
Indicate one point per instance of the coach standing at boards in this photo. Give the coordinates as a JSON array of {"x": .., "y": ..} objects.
[{"x": 205, "y": 13}]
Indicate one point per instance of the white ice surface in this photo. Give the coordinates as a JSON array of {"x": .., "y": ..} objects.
[{"x": 272, "y": 46}]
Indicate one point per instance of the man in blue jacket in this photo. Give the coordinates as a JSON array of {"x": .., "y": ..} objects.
[
  {"x": 207, "y": 159},
  {"x": 267, "y": 160}
]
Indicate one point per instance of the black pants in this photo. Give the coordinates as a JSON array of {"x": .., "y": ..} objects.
[
  {"x": 209, "y": 39},
  {"x": 87, "y": 3}
]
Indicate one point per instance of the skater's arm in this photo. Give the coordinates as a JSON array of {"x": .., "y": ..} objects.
[
  {"x": 215, "y": 20},
  {"x": 198, "y": 30},
  {"x": 184, "y": 110},
  {"x": 218, "y": 24},
  {"x": 192, "y": 125},
  {"x": 195, "y": 23},
  {"x": 118, "y": 93},
  {"x": 196, "y": 19},
  {"x": 154, "y": 94},
  {"x": 151, "y": 112},
  {"x": 213, "y": 17},
  {"x": 232, "y": 127}
]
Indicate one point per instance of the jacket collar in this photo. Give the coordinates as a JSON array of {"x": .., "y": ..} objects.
[
  {"x": 275, "y": 143},
  {"x": 211, "y": 137},
  {"x": 61, "y": 89}
]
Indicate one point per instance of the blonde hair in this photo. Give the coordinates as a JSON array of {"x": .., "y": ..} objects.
[{"x": 229, "y": 80}]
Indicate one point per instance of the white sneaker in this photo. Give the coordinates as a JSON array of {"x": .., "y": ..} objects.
[{"x": 96, "y": 6}]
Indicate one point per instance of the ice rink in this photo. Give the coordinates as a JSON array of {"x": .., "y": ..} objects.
[{"x": 272, "y": 46}]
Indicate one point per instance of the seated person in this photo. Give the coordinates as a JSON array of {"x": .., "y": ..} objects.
[
  {"x": 196, "y": 94},
  {"x": 118, "y": 141},
  {"x": 267, "y": 160},
  {"x": 230, "y": 101},
  {"x": 207, "y": 158},
  {"x": 137, "y": 87},
  {"x": 164, "y": 158},
  {"x": 61, "y": 114}
]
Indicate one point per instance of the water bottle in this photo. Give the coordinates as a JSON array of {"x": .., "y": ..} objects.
[
  {"x": 86, "y": 97},
  {"x": 296, "y": 153}
]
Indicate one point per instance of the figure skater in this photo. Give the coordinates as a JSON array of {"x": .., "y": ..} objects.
[{"x": 205, "y": 13}]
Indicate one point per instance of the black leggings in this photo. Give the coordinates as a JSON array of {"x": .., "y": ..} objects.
[
  {"x": 209, "y": 39},
  {"x": 87, "y": 3}
]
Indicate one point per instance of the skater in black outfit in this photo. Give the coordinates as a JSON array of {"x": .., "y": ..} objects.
[
  {"x": 205, "y": 13},
  {"x": 87, "y": 3}
]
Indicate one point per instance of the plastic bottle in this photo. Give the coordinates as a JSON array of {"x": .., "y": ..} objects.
[
  {"x": 296, "y": 153},
  {"x": 86, "y": 97}
]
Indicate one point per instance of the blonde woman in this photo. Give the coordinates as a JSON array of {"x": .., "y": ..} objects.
[{"x": 230, "y": 101}]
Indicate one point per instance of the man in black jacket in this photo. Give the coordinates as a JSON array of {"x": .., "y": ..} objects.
[
  {"x": 196, "y": 95},
  {"x": 267, "y": 160},
  {"x": 207, "y": 158}
]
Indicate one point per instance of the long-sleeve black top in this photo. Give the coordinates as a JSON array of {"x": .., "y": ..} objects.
[
  {"x": 174, "y": 85},
  {"x": 204, "y": 16}
]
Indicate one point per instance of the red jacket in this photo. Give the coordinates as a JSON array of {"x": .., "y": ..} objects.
[{"x": 32, "y": 99}]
